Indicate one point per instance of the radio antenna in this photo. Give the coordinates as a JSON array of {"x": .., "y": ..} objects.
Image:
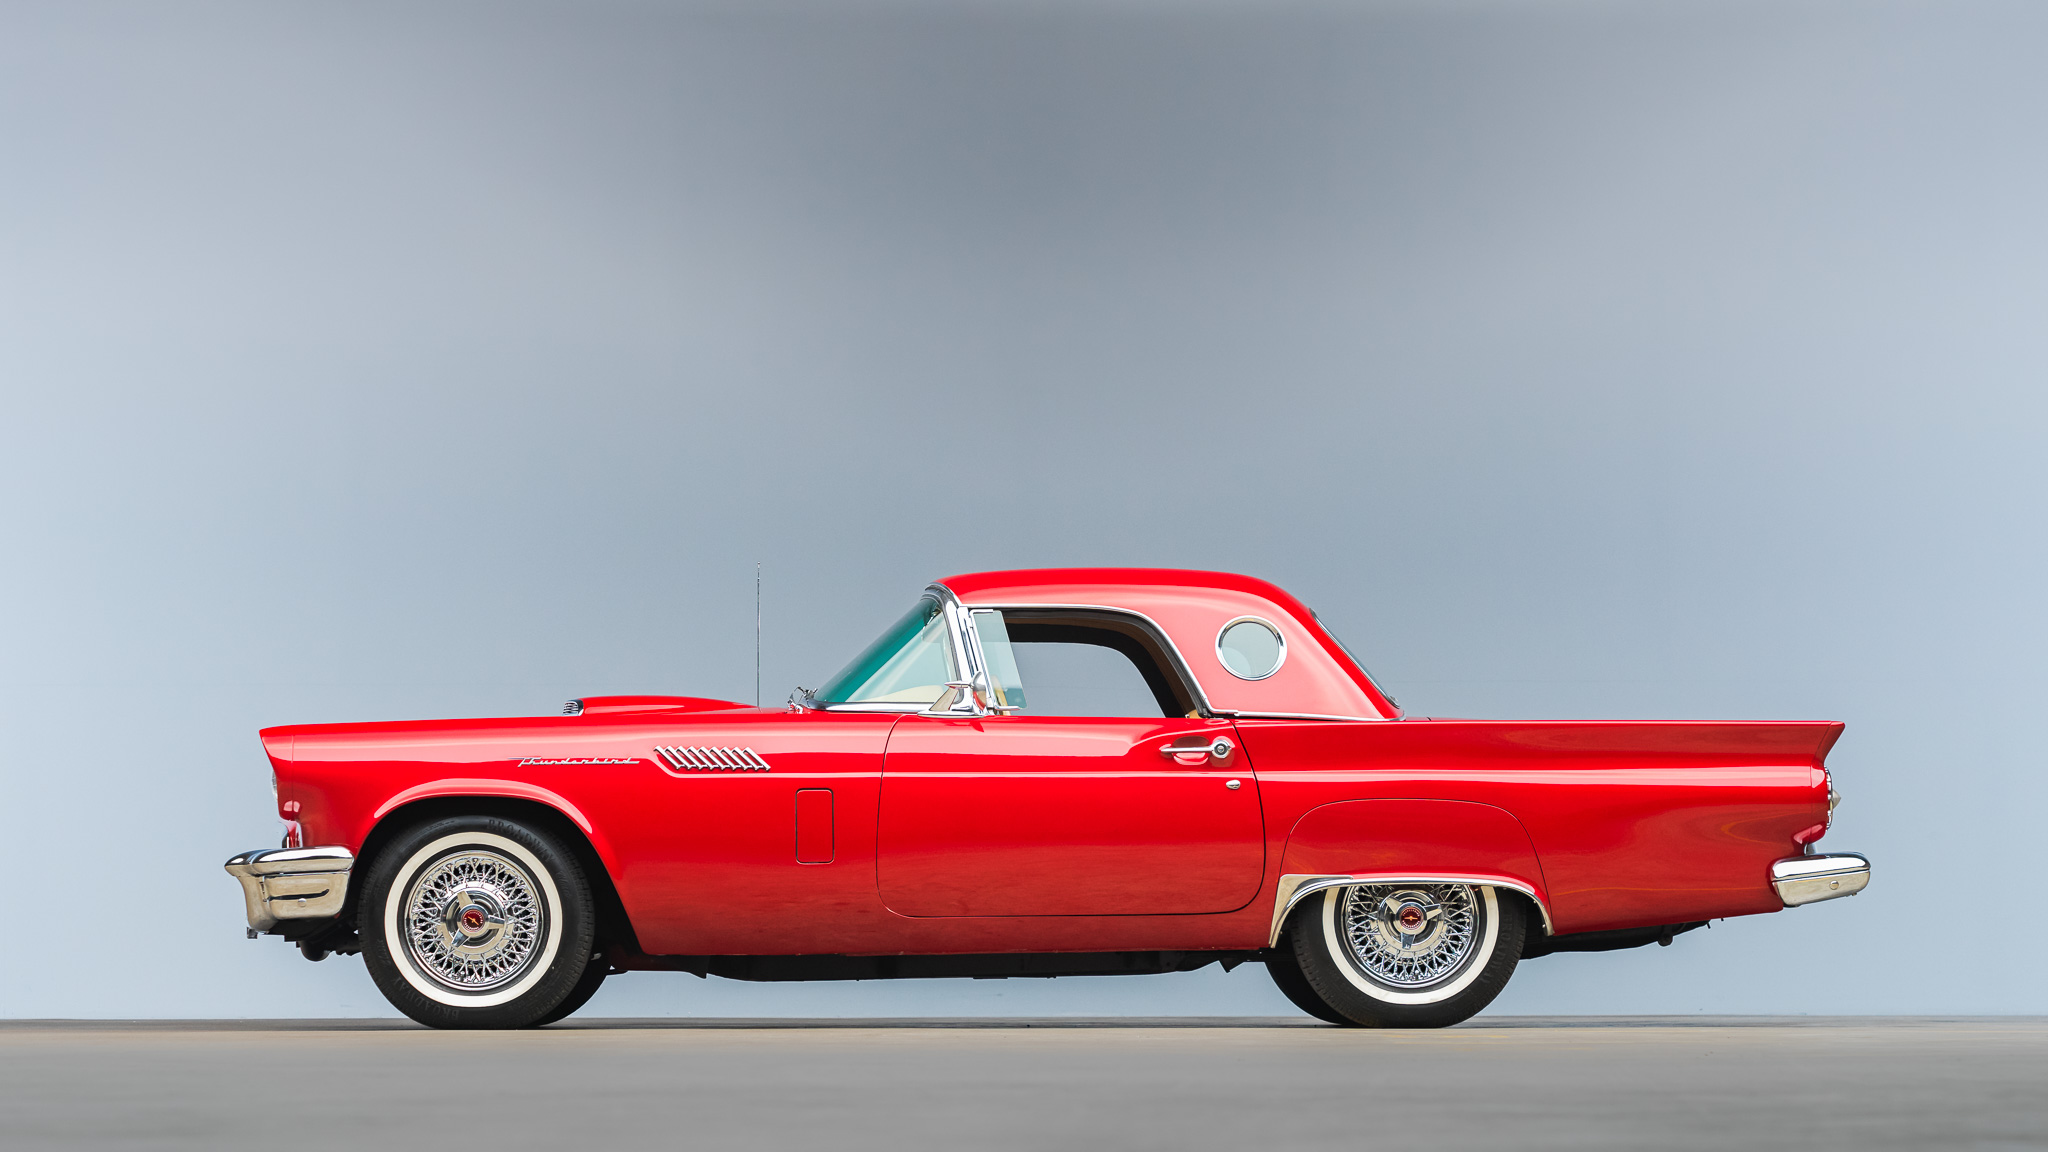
[{"x": 757, "y": 635}]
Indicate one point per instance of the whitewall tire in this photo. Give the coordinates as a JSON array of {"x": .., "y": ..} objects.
[
  {"x": 477, "y": 922},
  {"x": 1408, "y": 955}
]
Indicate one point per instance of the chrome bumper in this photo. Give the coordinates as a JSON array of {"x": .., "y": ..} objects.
[
  {"x": 292, "y": 884},
  {"x": 1809, "y": 879}
]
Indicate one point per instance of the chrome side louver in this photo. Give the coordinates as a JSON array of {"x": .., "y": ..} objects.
[
  {"x": 573, "y": 708},
  {"x": 710, "y": 760}
]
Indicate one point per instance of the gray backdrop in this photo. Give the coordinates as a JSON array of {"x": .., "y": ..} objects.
[{"x": 1573, "y": 359}]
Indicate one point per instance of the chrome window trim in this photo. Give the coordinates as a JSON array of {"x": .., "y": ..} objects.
[
  {"x": 1180, "y": 664},
  {"x": 1295, "y": 887},
  {"x": 960, "y": 621},
  {"x": 1270, "y": 627}
]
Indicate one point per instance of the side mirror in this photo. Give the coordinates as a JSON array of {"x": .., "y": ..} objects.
[{"x": 963, "y": 698}]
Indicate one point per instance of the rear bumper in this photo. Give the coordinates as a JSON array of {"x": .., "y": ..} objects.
[
  {"x": 281, "y": 884},
  {"x": 1811, "y": 879}
]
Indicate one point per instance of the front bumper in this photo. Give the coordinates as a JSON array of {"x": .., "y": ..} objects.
[
  {"x": 1811, "y": 879},
  {"x": 292, "y": 884}
]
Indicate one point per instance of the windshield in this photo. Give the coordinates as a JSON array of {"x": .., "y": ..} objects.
[{"x": 908, "y": 664}]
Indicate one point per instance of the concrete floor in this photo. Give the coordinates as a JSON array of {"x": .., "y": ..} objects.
[{"x": 848, "y": 1086}]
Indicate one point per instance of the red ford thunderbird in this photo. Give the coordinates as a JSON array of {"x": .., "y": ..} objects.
[{"x": 1042, "y": 773}]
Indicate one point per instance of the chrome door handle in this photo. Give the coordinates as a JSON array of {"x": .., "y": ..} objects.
[{"x": 1217, "y": 749}]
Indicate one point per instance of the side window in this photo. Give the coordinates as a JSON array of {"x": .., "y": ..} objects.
[
  {"x": 1083, "y": 680},
  {"x": 1064, "y": 662},
  {"x": 994, "y": 633}
]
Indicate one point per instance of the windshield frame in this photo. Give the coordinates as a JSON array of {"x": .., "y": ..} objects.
[{"x": 963, "y": 661}]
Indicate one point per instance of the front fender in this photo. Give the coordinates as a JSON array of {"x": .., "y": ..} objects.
[
  {"x": 497, "y": 789},
  {"x": 507, "y": 789}
]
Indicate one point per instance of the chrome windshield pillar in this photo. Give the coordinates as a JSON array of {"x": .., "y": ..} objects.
[{"x": 971, "y": 693}]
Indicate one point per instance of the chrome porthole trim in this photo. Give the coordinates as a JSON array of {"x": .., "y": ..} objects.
[
  {"x": 1437, "y": 976},
  {"x": 1279, "y": 638},
  {"x": 472, "y": 920}
]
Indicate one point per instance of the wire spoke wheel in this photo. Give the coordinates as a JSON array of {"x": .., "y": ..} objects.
[
  {"x": 479, "y": 922},
  {"x": 1401, "y": 953},
  {"x": 474, "y": 921},
  {"x": 1410, "y": 936}
]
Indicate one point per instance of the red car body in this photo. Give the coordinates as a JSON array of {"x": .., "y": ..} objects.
[{"x": 808, "y": 830}]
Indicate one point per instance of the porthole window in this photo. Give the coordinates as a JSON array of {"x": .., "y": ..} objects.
[{"x": 1250, "y": 648}]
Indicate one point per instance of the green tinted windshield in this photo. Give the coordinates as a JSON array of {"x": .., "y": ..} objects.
[{"x": 908, "y": 664}]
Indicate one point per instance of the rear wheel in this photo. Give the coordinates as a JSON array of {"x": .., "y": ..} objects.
[
  {"x": 1408, "y": 955},
  {"x": 477, "y": 922}
]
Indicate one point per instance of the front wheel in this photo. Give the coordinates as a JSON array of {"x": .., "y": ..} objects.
[
  {"x": 477, "y": 922},
  {"x": 1408, "y": 955}
]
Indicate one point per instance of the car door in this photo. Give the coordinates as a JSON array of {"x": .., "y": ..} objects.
[
  {"x": 1066, "y": 816},
  {"x": 1029, "y": 814}
]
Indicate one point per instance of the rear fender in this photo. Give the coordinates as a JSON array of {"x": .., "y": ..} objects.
[{"x": 1440, "y": 841}]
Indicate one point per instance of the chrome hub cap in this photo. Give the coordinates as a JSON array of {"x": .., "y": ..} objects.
[
  {"x": 474, "y": 920},
  {"x": 1408, "y": 936}
]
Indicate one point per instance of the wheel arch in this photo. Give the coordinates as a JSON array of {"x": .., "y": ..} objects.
[
  {"x": 1426, "y": 840},
  {"x": 614, "y": 926},
  {"x": 1294, "y": 889}
]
